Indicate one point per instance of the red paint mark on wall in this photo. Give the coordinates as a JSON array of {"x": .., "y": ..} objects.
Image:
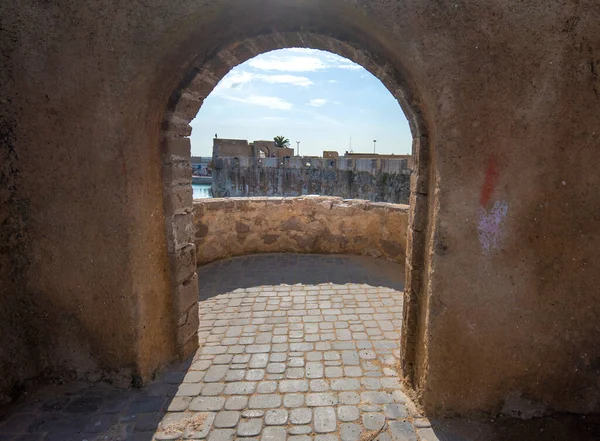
[{"x": 491, "y": 179}]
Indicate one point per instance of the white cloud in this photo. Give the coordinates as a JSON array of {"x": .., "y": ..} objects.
[
  {"x": 307, "y": 60},
  {"x": 287, "y": 63},
  {"x": 265, "y": 101},
  {"x": 236, "y": 79},
  {"x": 318, "y": 102},
  {"x": 332, "y": 81},
  {"x": 286, "y": 79}
]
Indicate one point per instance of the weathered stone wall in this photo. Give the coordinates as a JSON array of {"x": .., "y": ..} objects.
[
  {"x": 377, "y": 180},
  {"x": 502, "y": 299},
  {"x": 18, "y": 359},
  {"x": 324, "y": 225}
]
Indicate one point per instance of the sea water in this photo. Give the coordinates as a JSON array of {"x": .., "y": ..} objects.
[{"x": 201, "y": 191}]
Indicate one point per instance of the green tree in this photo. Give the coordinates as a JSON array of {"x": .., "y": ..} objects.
[{"x": 281, "y": 141}]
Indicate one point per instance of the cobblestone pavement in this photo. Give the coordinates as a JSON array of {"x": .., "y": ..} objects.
[{"x": 302, "y": 362}]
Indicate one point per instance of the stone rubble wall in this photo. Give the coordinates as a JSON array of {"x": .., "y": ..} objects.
[
  {"x": 309, "y": 224},
  {"x": 377, "y": 180}
]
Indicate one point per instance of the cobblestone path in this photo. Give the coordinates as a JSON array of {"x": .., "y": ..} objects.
[
  {"x": 301, "y": 361},
  {"x": 284, "y": 355},
  {"x": 306, "y": 361}
]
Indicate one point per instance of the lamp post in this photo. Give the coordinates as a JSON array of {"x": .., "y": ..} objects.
[
  {"x": 374, "y": 144},
  {"x": 298, "y": 147}
]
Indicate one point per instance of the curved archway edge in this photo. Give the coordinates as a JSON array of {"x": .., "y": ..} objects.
[{"x": 185, "y": 103}]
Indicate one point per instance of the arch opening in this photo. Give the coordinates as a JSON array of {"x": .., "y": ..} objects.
[
  {"x": 324, "y": 105},
  {"x": 204, "y": 75}
]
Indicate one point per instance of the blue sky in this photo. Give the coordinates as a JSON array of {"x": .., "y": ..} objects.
[{"x": 315, "y": 97}]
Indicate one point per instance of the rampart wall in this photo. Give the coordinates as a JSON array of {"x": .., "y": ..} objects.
[
  {"x": 310, "y": 224},
  {"x": 377, "y": 180}
]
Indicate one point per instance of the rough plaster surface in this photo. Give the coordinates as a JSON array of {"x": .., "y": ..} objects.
[
  {"x": 17, "y": 356},
  {"x": 375, "y": 180},
  {"x": 503, "y": 275},
  {"x": 239, "y": 226}
]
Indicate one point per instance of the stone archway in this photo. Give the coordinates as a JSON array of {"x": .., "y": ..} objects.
[
  {"x": 263, "y": 151},
  {"x": 184, "y": 104},
  {"x": 503, "y": 302}
]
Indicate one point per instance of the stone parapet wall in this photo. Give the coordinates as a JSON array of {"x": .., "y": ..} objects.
[
  {"x": 309, "y": 224},
  {"x": 377, "y": 180}
]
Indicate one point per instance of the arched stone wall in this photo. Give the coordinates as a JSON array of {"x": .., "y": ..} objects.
[
  {"x": 504, "y": 290},
  {"x": 195, "y": 88}
]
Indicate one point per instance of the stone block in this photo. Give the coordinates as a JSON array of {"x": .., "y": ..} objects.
[
  {"x": 177, "y": 173},
  {"x": 177, "y": 149},
  {"x": 176, "y": 127},
  {"x": 373, "y": 421},
  {"x": 325, "y": 420},
  {"x": 243, "y": 52},
  {"x": 236, "y": 403},
  {"x": 183, "y": 264},
  {"x": 274, "y": 434},
  {"x": 287, "y": 386},
  {"x": 350, "y": 432},
  {"x": 188, "y": 348},
  {"x": 321, "y": 399},
  {"x": 265, "y": 43},
  {"x": 301, "y": 416},
  {"x": 189, "y": 329},
  {"x": 293, "y": 400},
  {"x": 266, "y": 401},
  {"x": 180, "y": 231},
  {"x": 348, "y": 413},
  {"x": 418, "y": 202},
  {"x": 276, "y": 417},
  {"x": 179, "y": 199},
  {"x": 203, "y": 84},
  {"x": 217, "y": 67},
  {"x": 222, "y": 435},
  {"x": 207, "y": 404},
  {"x": 415, "y": 248},
  {"x": 420, "y": 166},
  {"x": 227, "y": 419},
  {"x": 188, "y": 105},
  {"x": 293, "y": 39},
  {"x": 402, "y": 431},
  {"x": 186, "y": 294},
  {"x": 250, "y": 427},
  {"x": 216, "y": 373}
]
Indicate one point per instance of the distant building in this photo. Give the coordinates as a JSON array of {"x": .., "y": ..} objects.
[
  {"x": 231, "y": 147},
  {"x": 408, "y": 158},
  {"x": 241, "y": 148},
  {"x": 283, "y": 152},
  {"x": 200, "y": 166}
]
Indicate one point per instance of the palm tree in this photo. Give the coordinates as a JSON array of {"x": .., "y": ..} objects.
[{"x": 281, "y": 141}]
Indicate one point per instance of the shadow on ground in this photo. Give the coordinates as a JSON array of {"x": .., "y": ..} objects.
[
  {"x": 551, "y": 428},
  {"x": 308, "y": 269}
]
